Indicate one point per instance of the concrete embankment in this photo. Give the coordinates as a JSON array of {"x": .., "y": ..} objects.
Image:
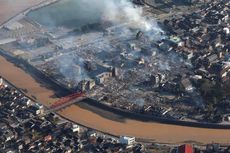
[
  {"x": 42, "y": 78},
  {"x": 110, "y": 122},
  {"x": 105, "y": 120},
  {"x": 90, "y": 103},
  {"x": 61, "y": 91}
]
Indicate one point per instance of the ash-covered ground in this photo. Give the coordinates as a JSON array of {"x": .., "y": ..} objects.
[{"x": 124, "y": 58}]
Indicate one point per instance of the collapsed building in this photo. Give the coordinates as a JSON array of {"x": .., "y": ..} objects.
[{"x": 128, "y": 66}]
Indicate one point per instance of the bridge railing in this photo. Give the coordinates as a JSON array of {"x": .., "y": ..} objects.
[{"x": 66, "y": 99}]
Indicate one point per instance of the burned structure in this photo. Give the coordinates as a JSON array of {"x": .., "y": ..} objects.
[{"x": 133, "y": 63}]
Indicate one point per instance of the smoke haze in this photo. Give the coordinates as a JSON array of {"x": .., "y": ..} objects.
[
  {"x": 83, "y": 12},
  {"x": 120, "y": 11},
  {"x": 77, "y": 13}
]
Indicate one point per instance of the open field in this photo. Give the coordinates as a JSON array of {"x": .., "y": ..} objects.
[
  {"x": 156, "y": 131},
  {"x": 10, "y": 8}
]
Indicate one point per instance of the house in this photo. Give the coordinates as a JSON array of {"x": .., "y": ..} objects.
[
  {"x": 115, "y": 72},
  {"x": 227, "y": 118},
  {"x": 189, "y": 55},
  {"x": 34, "y": 110},
  {"x": 90, "y": 66},
  {"x": 47, "y": 138},
  {"x": 186, "y": 83},
  {"x": 1, "y": 81},
  {"x": 139, "y": 35},
  {"x": 38, "y": 106},
  {"x": 139, "y": 2},
  {"x": 10, "y": 151},
  {"x": 3, "y": 126},
  {"x": 213, "y": 147},
  {"x": 76, "y": 128},
  {"x": 155, "y": 80},
  {"x": 186, "y": 148},
  {"x": 211, "y": 59},
  {"x": 20, "y": 145},
  {"x": 164, "y": 46},
  {"x": 101, "y": 78},
  {"x": 221, "y": 69},
  {"x": 127, "y": 140},
  {"x": 132, "y": 45},
  {"x": 174, "y": 40},
  {"x": 25, "y": 101},
  {"x": 92, "y": 134},
  {"x": 9, "y": 135},
  {"x": 86, "y": 85}
]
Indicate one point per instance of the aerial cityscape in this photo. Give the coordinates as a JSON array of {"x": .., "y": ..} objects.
[{"x": 105, "y": 76}]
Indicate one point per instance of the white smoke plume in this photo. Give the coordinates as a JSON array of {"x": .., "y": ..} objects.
[
  {"x": 117, "y": 12},
  {"x": 121, "y": 11}
]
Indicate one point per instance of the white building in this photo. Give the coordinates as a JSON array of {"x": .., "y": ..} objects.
[
  {"x": 26, "y": 101},
  {"x": 228, "y": 118},
  {"x": 39, "y": 106},
  {"x": 127, "y": 140},
  {"x": 1, "y": 81},
  {"x": 76, "y": 128}
]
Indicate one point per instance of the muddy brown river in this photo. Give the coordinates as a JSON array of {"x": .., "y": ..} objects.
[{"x": 147, "y": 130}]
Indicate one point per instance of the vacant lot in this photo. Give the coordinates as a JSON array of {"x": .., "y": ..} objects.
[{"x": 10, "y": 8}]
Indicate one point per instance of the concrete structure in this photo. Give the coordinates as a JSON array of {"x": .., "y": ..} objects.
[
  {"x": 127, "y": 140},
  {"x": 101, "y": 78},
  {"x": 76, "y": 128},
  {"x": 186, "y": 148},
  {"x": 86, "y": 85},
  {"x": 1, "y": 81},
  {"x": 187, "y": 85}
]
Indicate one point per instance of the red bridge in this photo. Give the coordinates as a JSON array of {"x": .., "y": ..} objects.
[{"x": 68, "y": 100}]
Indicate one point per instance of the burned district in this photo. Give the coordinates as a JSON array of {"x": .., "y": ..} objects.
[{"x": 175, "y": 67}]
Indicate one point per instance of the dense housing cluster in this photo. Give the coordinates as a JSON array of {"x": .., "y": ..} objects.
[
  {"x": 203, "y": 38},
  {"x": 178, "y": 70},
  {"x": 26, "y": 126}
]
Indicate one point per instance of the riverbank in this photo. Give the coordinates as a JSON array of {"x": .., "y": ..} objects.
[
  {"x": 109, "y": 122},
  {"x": 98, "y": 107},
  {"x": 146, "y": 130}
]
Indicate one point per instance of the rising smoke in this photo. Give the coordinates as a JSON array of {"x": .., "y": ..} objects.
[
  {"x": 116, "y": 12},
  {"x": 121, "y": 11},
  {"x": 71, "y": 68}
]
